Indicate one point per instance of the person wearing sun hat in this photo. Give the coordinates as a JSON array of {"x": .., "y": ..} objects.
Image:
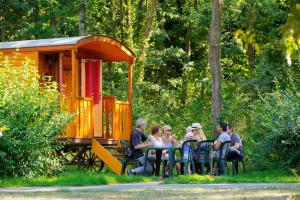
[{"x": 198, "y": 132}]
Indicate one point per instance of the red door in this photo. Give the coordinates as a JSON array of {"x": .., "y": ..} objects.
[
  {"x": 92, "y": 87},
  {"x": 92, "y": 77}
]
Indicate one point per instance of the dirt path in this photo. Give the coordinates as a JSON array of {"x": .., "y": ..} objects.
[{"x": 154, "y": 186}]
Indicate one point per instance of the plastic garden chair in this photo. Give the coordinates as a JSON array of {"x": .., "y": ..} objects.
[
  {"x": 202, "y": 155},
  {"x": 235, "y": 162},
  {"x": 189, "y": 146},
  {"x": 222, "y": 160},
  {"x": 127, "y": 156}
]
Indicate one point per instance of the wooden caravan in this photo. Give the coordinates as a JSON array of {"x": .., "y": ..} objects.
[{"x": 77, "y": 63}]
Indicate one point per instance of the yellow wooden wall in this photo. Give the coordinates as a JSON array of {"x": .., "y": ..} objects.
[{"x": 17, "y": 58}]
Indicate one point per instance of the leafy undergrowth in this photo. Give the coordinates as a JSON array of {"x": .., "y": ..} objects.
[{"x": 274, "y": 176}]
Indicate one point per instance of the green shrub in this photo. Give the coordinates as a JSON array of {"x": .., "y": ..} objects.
[
  {"x": 275, "y": 134},
  {"x": 30, "y": 111}
]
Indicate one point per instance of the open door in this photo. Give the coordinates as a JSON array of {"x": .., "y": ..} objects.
[{"x": 91, "y": 80}]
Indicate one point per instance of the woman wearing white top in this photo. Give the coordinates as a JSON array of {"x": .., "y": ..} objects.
[
  {"x": 167, "y": 137},
  {"x": 169, "y": 141},
  {"x": 156, "y": 140}
]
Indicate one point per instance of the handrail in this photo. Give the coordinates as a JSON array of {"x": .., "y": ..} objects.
[
  {"x": 82, "y": 124},
  {"x": 116, "y": 120}
]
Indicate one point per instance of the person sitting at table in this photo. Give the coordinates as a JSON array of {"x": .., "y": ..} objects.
[
  {"x": 155, "y": 138},
  {"x": 223, "y": 137},
  {"x": 198, "y": 132},
  {"x": 189, "y": 135},
  {"x": 236, "y": 146},
  {"x": 137, "y": 139},
  {"x": 169, "y": 140},
  {"x": 167, "y": 137}
]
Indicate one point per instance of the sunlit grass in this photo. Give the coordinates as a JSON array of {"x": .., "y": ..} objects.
[
  {"x": 274, "y": 176},
  {"x": 74, "y": 178}
]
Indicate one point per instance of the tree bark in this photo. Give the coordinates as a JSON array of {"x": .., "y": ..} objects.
[
  {"x": 214, "y": 58},
  {"x": 250, "y": 45},
  {"x": 251, "y": 54},
  {"x": 145, "y": 39},
  {"x": 188, "y": 38},
  {"x": 122, "y": 19},
  {"x": 82, "y": 10},
  {"x": 128, "y": 24},
  {"x": 139, "y": 19},
  {"x": 36, "y": 17},
  {"x": 2, "y": 29},
  {"x": 2, "y": 19},
  {"x": 53, "y": 24}
]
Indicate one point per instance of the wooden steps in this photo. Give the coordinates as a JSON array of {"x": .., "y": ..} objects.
[{"x": 111, "y": 161}]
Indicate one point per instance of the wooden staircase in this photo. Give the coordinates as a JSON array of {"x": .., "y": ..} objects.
[{"x": 111, "y": 161}]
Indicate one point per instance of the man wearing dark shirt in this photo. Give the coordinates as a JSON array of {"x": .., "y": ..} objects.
[{"x": 137, "y": 138}]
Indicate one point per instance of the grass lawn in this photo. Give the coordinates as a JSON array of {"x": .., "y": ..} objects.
[
  {"x": 177, "y": 194},
  {"x": 74, "y": 177},
  {"x": 275, "y": 176}
]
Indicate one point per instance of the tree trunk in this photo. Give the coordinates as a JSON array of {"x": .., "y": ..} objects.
[
  {"x": 188, "y": 50},
  {"x": 214, "y": 58},
  {"x": 128, "y": 25},
  {"x": 122, "y": 20},
  {"x": 250, "y": 45},
  {"x": 53, "y": 24},
  {"x": 188, "y": 38},
  {"x": 139, "y": 19},
  {"x": 82, "y": 10},
  {"x": 150, "y": 18},
  {"x": 145, "y": 39},
  {"x": 2, "y": 19},
  {"x": 251, "y": 55},
  {"x": 2, "y": 28},
  {"x": 36, "y": 17},
  {"x": 113, "y": 32}
]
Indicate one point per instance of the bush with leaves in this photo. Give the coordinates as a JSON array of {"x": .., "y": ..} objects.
[
  {"x": 31, "y": 117},
  {"x": 274, "y": 137}
]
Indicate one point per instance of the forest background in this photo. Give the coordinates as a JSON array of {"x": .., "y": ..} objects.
[{"x": 259, "y": 62}]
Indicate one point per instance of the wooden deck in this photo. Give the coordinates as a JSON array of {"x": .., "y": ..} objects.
[{"x": 87, "y": 141}]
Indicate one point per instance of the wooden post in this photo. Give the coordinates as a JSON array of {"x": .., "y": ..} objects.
[
  {"x": 74, "y": 74},
  {"x": 74, "y": 91},
  {"x": 61, "y": 71},
  {"x": 129, "y": 98}
]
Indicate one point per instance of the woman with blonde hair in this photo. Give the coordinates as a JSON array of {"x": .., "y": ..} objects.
[
  {"x": 167, "y": 137},
  {"x": 198, "y": 132},
  {"x": 169, "y": 140}
]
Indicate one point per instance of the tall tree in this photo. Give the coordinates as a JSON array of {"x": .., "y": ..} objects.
[
  {"x": 2, "y": 29},
  {"x": 214, "y": 58},
  {"x": 145, "y": 38},
  {"x": 82, "y": 10}
]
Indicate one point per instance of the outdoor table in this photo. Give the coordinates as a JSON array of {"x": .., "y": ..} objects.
[{"x": 158, "y": 154}]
